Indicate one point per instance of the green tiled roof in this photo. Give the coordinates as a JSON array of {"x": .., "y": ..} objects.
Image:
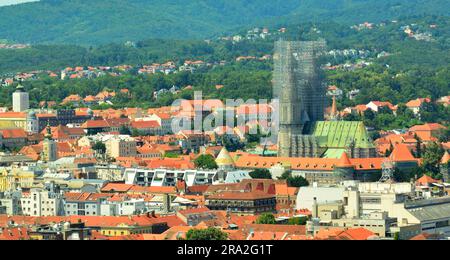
[
  {"x": 334, "y": 153},
  {"x": 340, "y": 134}
]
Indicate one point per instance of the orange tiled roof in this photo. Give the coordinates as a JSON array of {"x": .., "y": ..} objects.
[
  {"x": 13, "y": 115},
  {"x": 116, "y": 187},
  {"x": 318, "y": 164},
  {"x": 417, "y": 102},
  {"x": 95, "y": 124},
  {"x": 253, "y": 195},
  {"x": 145, "y": 124},
  {"x": 13, "y": 133},
  {"x": 401, "y": 153},
  {"x": 284, "y": 190},
  {"x": 446, "y": 158},
  {"x": 427, "y": 127},
  {"x": 446, "y": 145},
  {"x": 344, "y": 161},
  {"x": 426, "y": 180},
  {"x": 19, "y": 233},
  {"x": 359, "y": 233}
]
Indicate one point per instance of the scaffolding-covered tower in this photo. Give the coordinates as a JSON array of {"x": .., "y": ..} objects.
[{"x": 299, "y": 87}]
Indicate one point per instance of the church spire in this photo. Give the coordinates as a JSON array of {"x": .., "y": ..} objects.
[
  {"x": 334, "y": 112},
  {"x": 48, "y": 134}
]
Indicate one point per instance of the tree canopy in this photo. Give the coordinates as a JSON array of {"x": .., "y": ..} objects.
[
  {"x": 205, "y": 161},
  {"x": 206, "y": 234},
  {"x": 261, "y": 174}
]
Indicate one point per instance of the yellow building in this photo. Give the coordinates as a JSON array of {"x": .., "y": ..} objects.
[
  {"x": 224, "y": 160},
  {"x": 126, "y": 230},
  {"x": 16, "y": 177},
  {"x": 11, "y": 120}
]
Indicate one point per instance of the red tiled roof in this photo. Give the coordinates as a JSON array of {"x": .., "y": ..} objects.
[
  {"x": 116, "y": 187},
  {"x": 417, "y": 102},
  {"x": 90, "y": 221},
  {"x": 193, "y": 211},
  {"x": 145, "y": 124},
  {"x": 401, "y": 153},
  {"x": 254, "y": 195},
  {"x": 247, "y": 161},
  {"x": 153, "y": 189},
  {"x": 290, "y": 229},
  {"x": 359, "y": 233},
  {"x": 344, "y": 161},
  {"x": 426, "y": 180},
  {"x": 427, "y": 127},
  {"x": 85, "y": 196},
  {"x": 14, "y": 234},
  {"x": 284, "y": 190},
  {"x": 13, "y": 115},
  {"x": 95, "y": 124},
  {"x": 13, "y": 133}
]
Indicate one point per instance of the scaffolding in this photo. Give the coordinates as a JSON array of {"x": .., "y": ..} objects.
[
  {"x": 298, "y": 84},
  {"x": 387, "y": 172}
]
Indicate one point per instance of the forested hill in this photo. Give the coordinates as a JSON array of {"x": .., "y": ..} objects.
[
  {"x": 406, "y": 52},
  {"x": 101, "y": 21}
]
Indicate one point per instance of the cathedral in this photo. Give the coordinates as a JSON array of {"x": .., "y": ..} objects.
[{"x": 300, "y": 89}]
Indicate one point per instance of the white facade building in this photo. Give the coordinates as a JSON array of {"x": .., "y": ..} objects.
[
  {"x": 21, "y": 100},
  {"x": 42, "y": 203},
  {"x": 168, "y": 177}
]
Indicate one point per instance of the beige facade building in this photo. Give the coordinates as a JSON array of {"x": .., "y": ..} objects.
[
  {"x": 121, "y": 147},
  {"x": 389, "y": 210}
]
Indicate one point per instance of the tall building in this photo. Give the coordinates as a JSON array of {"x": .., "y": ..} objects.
[
  {"x": 49, "y": 148},
  {"x": 21, "y": 100},
  {"x": 301, "y": 91},
  {"x": 298, "y": 85}
]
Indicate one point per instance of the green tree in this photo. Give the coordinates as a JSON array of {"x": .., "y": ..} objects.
[
  {"x": 135, "y": 132},
  {"x": 171, "y": 155},
  {"x": 100, "y": 147},
  {"x": 124, "y": 130},
  {"x": 206, "y": 234},
  {"x": 297, "y": 181},
  {"x": 261, "y": 174},
  {"x": 418, "y": 146},
  {"x": 266, "y": 218},
  {"x": 205, "y": 161},
  {"x": 431, "y": 158},
  {"x": 299, "y": 221}
]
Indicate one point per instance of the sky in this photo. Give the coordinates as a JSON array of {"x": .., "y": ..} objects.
[{"x": 11, "y": 2}]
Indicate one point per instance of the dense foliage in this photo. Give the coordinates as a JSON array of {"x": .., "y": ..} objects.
[
  {"x": 261, "y": 174},
  {"x": 413, "y": 69},
  {"x": 299, "y": 221},
  {"x": 294, "y": 181},
  {"x": 98, "y": 21},
  {"x": 206, "y": 234},
  {"x": 405, "y": 52},
  {"x": 205, "y": 162},
  {"x": 266, "y": 219}
]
